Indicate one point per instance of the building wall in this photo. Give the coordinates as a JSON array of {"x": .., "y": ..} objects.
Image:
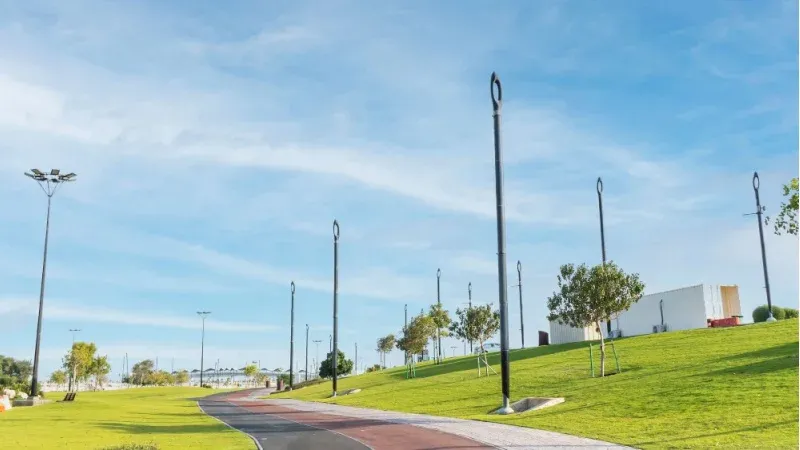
[{"x": 684, "y": 309}]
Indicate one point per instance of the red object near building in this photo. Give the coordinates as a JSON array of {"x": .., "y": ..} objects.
[{"x": 727, "y": 322}]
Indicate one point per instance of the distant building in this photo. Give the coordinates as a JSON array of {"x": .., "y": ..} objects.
[{"x": 679, "y": 309}]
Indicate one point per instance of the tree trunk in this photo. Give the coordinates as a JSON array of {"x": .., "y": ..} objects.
[{"x": 602, "y": 351}]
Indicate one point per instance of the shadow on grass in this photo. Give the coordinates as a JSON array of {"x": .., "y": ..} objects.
[
  {"x": 464, "y": 363},
  {"x": 140, "y": 428},
  {"x": 721, "y": 433}
]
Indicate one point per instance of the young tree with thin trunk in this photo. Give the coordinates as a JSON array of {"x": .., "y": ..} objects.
[
  {"x": 59, "y": 378},
  {"x": 385, "y": 345},
  {"x": 416, "y": 334},
  {"x": 588, "y": 296},
  {"x": 441, "y": 320},
  {"x": 477, "y": 324}
]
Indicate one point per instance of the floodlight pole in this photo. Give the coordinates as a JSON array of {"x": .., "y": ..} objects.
[
  {"x": 759, "y": 212},
  {"x": 521, "y": 316},
  {"x": 72, "y": 372},
  {"x": 497, "y": 102},
  {"x": 469, "y": 293},
  {"x": 405, "y": 328},
  {"x": 306, "y": 352},
  {"x": 438, "y": 302},
  {"x": 202, "y": 315},
  {"x": 335, "y": 349},
  {"x": 49, "y": 184},
  {"x": 291, "y": 343}
]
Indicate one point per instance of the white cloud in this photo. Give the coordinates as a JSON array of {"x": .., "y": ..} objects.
[{"x": 65, "y": 311}]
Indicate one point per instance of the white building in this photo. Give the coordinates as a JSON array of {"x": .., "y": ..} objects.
[{"x": 678, "y": 309}]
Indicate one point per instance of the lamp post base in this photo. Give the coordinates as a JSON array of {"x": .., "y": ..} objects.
[
  {"x": 771, "y": 319},
  {"x": 504, "y": 411}
]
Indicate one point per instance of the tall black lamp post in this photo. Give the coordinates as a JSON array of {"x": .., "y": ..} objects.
[
  {"x": 49, "y": 182},
  {"x": 505, "y": 370}
]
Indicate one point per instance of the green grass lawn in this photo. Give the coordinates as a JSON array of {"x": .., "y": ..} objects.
[
  {"x": 166, "y": 416},
  {"x": 726, "y": 388}
]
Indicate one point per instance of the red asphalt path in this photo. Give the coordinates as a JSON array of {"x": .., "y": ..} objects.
[{"x": 377, "y": 434}]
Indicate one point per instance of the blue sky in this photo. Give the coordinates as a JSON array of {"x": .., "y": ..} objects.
[{"x": 215, "y": 145}]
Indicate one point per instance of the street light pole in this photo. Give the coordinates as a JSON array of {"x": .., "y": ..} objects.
[
  {"x": 316, "y": 357},
  {"x": 405, "y": 327},
  {"x": 72, "y": 371},
  {"x": 469, "y": 292},
  {"x": 497, "y": 102},
  {"x": 356, "y": 358},
  {"x": 306, "y": 352},
  {"x": 49, "y": 182},
  {"x": 335, "y": 350},
  {"x": 291, "y": 344},
  {"x": 202, "y": 315},
  {"x": 759, "y": 212},
  {"x": 521, "y": 316},
  {"x": 602, "y": 232},
  {"x": 439, "y": 302}
]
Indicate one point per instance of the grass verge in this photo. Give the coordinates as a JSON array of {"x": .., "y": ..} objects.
[
  {"x": 165, "y": 416},
  {"x": 726, "y": 387}
]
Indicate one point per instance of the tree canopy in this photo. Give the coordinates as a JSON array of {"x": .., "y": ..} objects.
[
  {"x": 587, "y": 296},
  {"x": 343, "y": 366},
  {"x": 416, "y": 334},
  {"x": 14, "y": 374},
  {"x": 476, "y": 324},
  {"x": 786, "y": 221}
]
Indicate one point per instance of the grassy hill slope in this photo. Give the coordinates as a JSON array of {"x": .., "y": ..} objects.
[{"x": 728, "y": 387}]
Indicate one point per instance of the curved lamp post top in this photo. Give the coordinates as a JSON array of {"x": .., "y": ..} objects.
[
  {"x": 292, "y": 286},
  {"x": 756, "y": 181},
  {"x": 497, "y": 99},
  {"x": 335, "y": 230},
  {"x": 599, "y": 185}
]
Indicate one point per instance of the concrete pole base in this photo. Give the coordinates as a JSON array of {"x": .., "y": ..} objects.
[
  {"x": 771, "y": 319},
  {"x": 504, "y": 411}
]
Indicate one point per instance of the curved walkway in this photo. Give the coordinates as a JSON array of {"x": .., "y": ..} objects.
[
  {"x": 279, "y": 427},
  {"x": 376, "y": 429}
]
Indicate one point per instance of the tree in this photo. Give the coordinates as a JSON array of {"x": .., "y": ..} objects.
[
  {"x": 79, "y": 360},
  {"x": 14, "y": 374},
  {"x": 416, "y": 334},
  {"x": 100, "y": 369},
  {"x": 182, "y": 377},
  {"x": 476, "y": 324},
  {"x": 441, "y": 320},
  {"x": 587, "y": 296},
  {"x": 250, "y": 371},
  {"x": 142, "y": 372},
  {"x": 343, "y": 365},
  {"x": 59, "y": 378},
  {"x": 385, "y": 345},
  {"x": 786, "y": 221}
]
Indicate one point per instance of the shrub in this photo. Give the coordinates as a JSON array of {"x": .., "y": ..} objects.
[
  {"x": 761, "y": 313},
  {"x": 207, "y": 386},
  {"x": 132, "y": 447},
  {"x": 790, "y": 313}
]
